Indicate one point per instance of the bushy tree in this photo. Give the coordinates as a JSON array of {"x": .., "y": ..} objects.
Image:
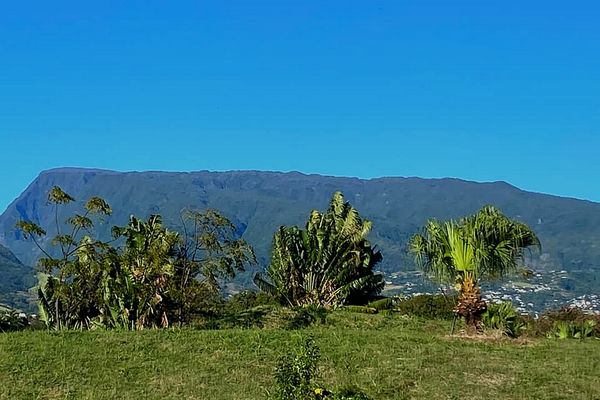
[
  {"x": 153, "y": 277},
  {"x": 328, "y": 263},
  {"x": 207, "y": 253}
]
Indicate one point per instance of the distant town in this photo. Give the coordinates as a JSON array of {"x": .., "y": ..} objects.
[{"x": 533, "y": 294}]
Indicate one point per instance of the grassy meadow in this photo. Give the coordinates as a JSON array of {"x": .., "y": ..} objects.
[{"x": 389, "y": 357}]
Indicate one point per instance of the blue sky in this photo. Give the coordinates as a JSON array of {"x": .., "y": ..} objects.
[{"x": 477, "y": 90}]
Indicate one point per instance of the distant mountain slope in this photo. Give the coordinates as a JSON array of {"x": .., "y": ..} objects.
[
  {"x": 259, "y": 202},
  {"x": 15, "y": 278}
]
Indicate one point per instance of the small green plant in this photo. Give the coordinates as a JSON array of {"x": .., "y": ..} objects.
[
  {"x": 360, "y": 309},
  {"x": 586, "y": 330},
  {"x": 503, "y": 316},
  {"x": 573, "y": 330},
  {"x": 248, "y": 299},
  {"x": 295, "y": 374},
  {"x": 545, "y": 325},
  {"x": 561, "y": 330}
]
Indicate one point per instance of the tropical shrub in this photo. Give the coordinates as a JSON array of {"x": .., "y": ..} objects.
[
  {"x": 573, "y": 330},
  {"x": 431, "y": 306},
  {"x": 360, "y": 309},
  {"x": 553, "y": 322},
  {"x": 504, "y": 317},
  {"x": 207, "y": 254},
  {"x": 329, "y": 263},
  {"x": 386, "y": 303},
  {"x": 11, "y": 321}
]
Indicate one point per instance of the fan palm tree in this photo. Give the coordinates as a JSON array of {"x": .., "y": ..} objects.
[
  {"x": 486, "y": 245},
  {"x": 327, "y": 264}
]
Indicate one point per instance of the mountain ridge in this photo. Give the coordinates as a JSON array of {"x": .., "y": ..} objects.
[
  {"x": 309, "y": 175},
  {"x": 15, "y": 279}
]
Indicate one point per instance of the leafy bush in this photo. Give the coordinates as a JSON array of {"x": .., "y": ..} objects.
[
  {"x": 248, "y": 299},
  {"x": 11, "y": 321},
  {"x": 329, "y": 263},
  {"x": 295, "y": 374},
  {"x": 428, "y": 306},
  {"x": 384, "y": 306},
  {"x": 295, "y": 377},
  {"x": 296, "y": 318},
  {"x": 573, "y": 330},
  {"x": 549, "y": 324},
  {"x": 386, "y": 303},
  {"x": 504, "y": 317},
  {"x": 156, "y": 278}
]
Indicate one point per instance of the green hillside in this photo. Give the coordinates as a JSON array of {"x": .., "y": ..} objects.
[
  {"x": 15, "y": 278},
  {"x": 387, "y": 357}
]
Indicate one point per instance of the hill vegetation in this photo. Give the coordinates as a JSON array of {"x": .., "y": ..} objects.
[
  {"x": 257, "y": 203},
  {"x": 15, "y": 279}
]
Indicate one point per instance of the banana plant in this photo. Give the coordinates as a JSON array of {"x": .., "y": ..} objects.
[{"x": 148, "y": 259}]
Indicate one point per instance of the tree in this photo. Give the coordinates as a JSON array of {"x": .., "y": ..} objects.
[
  {"x": 153, "y": 277},
  {"x": 329, "y": 263},
  {"x": 486, "y": 245},
  {"x": 207, "y": 253},
  {"x": 66, "y": 294},
  {"x": 148, "y": 261}
]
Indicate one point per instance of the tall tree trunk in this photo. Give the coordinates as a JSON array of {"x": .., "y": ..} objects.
[{"x": 470, "y": 304}]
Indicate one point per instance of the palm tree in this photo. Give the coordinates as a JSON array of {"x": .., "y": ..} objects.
[
  {"x": 486, "y": 245},
  {"x": 327, "y": 264}
]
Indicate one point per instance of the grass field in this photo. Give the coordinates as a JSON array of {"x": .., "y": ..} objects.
[{"x": 388, "y": 357}]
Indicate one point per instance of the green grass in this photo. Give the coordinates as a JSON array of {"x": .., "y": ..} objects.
[{"x": 388, "y": 357}]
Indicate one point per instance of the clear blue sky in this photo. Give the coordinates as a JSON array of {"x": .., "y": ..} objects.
[{"x": 506, "y": 91}]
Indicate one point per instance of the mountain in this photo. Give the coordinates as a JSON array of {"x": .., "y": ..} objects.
[
  {"x": 259, "y": 202},
  {"x": 15, "y": 279}
]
